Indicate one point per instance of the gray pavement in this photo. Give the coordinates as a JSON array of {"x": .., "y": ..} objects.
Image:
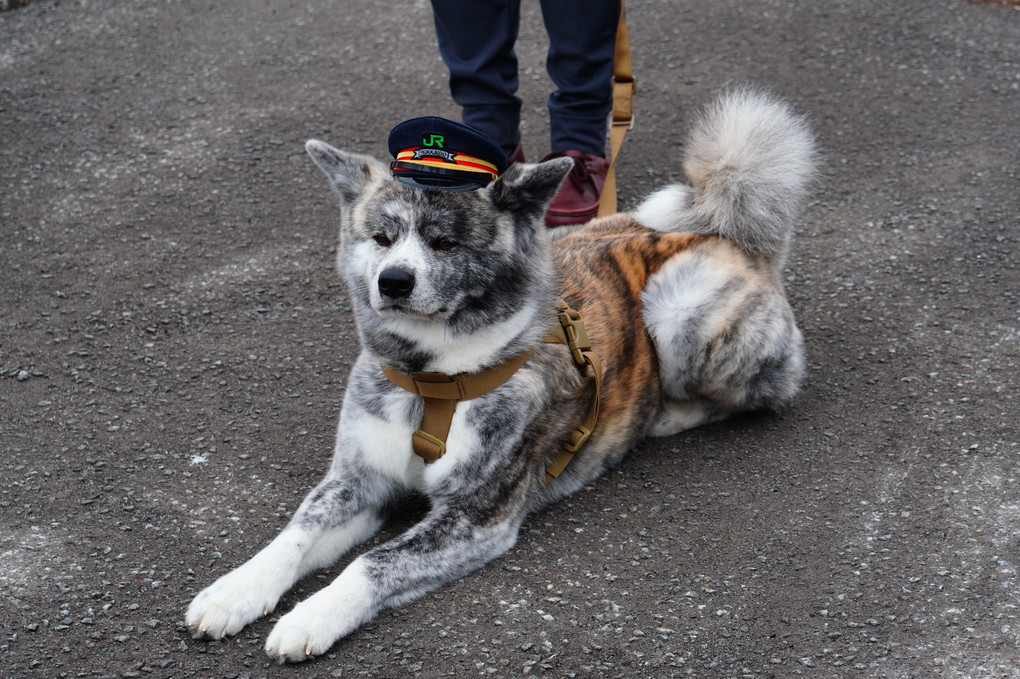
[{"x": 174, "y": 345}]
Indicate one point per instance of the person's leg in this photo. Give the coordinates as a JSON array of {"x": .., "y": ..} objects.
[
  {"x": 582, "y": 40},
  {"x": 476, "y": 40}
]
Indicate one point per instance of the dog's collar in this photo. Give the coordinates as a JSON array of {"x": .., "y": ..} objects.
[{"x": 442, "y": 392}]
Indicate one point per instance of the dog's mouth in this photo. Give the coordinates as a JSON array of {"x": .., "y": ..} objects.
[
  {"x": 401, "y": 310},
  {"x": 429, "y": 309}
]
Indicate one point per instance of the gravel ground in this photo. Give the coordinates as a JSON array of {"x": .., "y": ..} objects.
[{"x": 174, "y": 345}]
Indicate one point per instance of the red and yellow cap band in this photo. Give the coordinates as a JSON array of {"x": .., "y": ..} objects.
[{"x": 427, "y": 157}]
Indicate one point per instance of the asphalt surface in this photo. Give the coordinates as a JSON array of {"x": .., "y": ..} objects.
[{"x": 174, "y": 344}]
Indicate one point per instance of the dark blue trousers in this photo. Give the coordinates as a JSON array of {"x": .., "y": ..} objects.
[{"x": 476, "y": 40}]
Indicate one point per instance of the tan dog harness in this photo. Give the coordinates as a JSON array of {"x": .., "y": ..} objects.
[{"x": 442, "y": 392}]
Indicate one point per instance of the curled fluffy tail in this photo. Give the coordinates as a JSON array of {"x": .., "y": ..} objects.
[{"x": 750, "y": 161}]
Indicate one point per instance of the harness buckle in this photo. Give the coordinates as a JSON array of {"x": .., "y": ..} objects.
[
  {"x": 428, "y": 447},
  {"x": 578, "y": 436},
  {"x": 576, "y": 335}
]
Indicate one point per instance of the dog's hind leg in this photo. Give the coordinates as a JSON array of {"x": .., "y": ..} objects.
[
  {"x": 677, "y": 416},
  {"x": 725, "y": 337},
  {"x": 444, "y": 546}
]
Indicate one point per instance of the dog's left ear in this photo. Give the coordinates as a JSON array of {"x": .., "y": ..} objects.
[
  {"x": 526, "y": 189},
  {"x": 349, "y": 173}
]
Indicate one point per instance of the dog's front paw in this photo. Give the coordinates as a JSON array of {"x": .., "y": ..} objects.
[
  {"x": 322, "y": 619},
  {"x": 305, "y": 632},
  {"x": 226, "y": 606}
]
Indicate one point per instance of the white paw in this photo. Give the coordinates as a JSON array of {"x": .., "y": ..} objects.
[
  {"x": 322, "y": 619},
  {"x": 307, "y": 631},
  {"x": 233, "y": 601}
]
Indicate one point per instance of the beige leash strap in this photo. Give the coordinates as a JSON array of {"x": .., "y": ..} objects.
[{"x": 623, "y": 111}]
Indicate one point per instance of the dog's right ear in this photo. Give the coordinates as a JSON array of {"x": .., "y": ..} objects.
[{"x": 349, "y": 173}]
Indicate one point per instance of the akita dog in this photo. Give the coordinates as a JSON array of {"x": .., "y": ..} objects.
[{"x": 686, "y": 322}]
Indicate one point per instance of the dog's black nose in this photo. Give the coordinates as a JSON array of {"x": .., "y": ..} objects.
[{"x": 396, "y": 283}]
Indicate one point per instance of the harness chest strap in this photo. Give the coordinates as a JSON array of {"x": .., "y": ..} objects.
[{"x": 442, "y": 392}]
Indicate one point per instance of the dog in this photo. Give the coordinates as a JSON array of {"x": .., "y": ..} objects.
[{"x": 686, "y": 321}]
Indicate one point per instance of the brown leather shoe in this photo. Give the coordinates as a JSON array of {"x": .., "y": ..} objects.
[
  {"x": 517, "y": 156},
  {"x": 578, "y": 198}
]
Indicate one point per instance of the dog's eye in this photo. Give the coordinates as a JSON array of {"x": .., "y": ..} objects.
[
  {"x": 382, "y": 239},
  {"x": 443, "y": 244}
]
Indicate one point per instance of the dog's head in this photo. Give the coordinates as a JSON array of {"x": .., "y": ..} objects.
[{"x": 443, "y": 280}]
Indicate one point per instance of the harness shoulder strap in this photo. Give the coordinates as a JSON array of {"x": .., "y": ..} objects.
[{"x": 571, "y": 332}]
